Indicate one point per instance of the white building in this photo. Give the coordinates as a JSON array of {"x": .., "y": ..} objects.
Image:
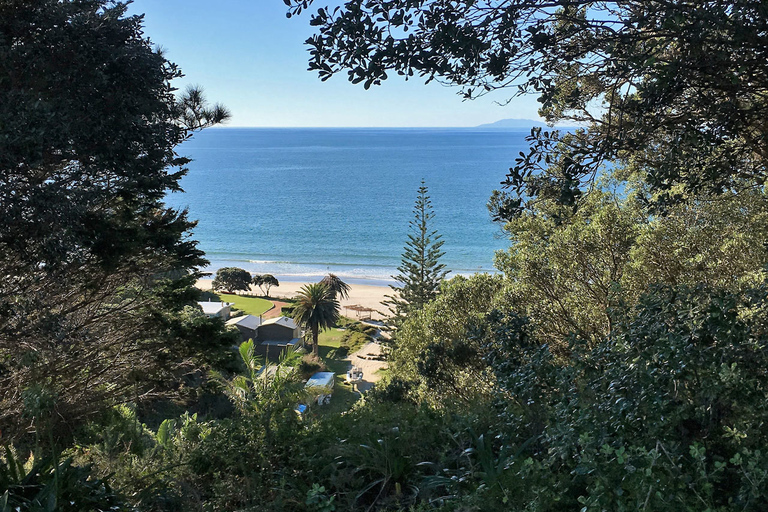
[{"x": 213, "y": 309}]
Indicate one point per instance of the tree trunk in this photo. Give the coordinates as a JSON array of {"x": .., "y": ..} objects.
[{"x": 315, "y": 347}]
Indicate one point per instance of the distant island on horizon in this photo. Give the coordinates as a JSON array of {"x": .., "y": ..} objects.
[
  {"x": 514, "y": 124},
  {"x": 507, "y": 124}
]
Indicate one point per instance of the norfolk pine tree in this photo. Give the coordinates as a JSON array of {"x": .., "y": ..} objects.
[{"x": 420, "y": 269}]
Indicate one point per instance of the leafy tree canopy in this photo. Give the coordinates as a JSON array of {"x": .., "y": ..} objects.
[
  {"x": 232, "y": 279},
  {"x": 678, "y": 389},
  {"x": 678, "y": 88},
  {"x": 433, "y": 350},
  {"x": 567, "y": 274},
  {"x": 265, "y": 282},
  {"x": 567, "y": 270},
  {"x": 96, "y": 269}
]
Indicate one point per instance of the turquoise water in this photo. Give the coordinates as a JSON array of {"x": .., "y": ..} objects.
[{"x": 299, "y": 203}]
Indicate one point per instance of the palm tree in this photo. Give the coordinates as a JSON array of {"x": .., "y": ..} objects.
[
  {"x": 316, "y": 308},
  {"x": 338, "y": 287}
]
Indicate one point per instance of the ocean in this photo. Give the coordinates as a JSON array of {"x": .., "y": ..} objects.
[{"x": 301, "y": 202}]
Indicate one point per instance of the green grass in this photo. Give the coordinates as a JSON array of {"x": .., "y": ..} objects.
[
  {"x": 330, "y": 338},
  {"x": 343, "y": 397},
  {"x": 250, "y": 305}
]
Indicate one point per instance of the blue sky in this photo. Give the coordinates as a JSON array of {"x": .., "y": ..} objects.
[{"x": 247, "y": 55}]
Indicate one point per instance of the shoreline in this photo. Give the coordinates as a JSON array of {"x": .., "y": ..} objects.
[
  {"x": 366, "y": 295},
  {"x": 316, "y": 278},
  {"x": 350, "y": 273}
]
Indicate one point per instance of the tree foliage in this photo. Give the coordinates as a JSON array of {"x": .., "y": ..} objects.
[
  {"x": 434, "y": 351},
  {"x": 337, "y": 286},
  {"x": 678, "y": 88},
  {"x": 232, "y": 279},
  {"x": 565, "y": 273},
  {"x": 263, "y": 390},
  {"x": 95, "y": 266},
  {"x": 567, "y": 270},
  {"x": 420, "y": 270},
  {"x": 663, "y": 413},
  {"x": 265, "y": 282},
  {"x": 316, "y": 308}
]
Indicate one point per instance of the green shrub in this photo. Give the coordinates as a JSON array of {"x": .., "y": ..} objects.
[
  {"x": 309, "y": 365},
  {"x": 666, "y": 410},
  {"x": 393, "y": 390},
  {"x": 354, "y": 340},
  {"x": 53, "y": 484}
]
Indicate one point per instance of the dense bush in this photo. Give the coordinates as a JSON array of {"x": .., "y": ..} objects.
[
  {"x": 231, "y": 279},
  {"x": 353, "y": 341},
  {"x": 53, "y": 484},
  {"x": 309, "y": 365},
  {"x": 666, "y": 413}
]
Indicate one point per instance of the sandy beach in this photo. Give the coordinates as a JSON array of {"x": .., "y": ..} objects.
[{"x": 368, "y": 296}]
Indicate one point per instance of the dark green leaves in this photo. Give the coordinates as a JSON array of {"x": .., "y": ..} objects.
[{"x": 677, "y": 89}]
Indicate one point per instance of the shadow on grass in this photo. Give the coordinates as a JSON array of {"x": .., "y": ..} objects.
[{"x": 342, "y": 399}]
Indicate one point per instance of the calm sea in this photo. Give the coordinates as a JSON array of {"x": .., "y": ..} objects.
[{"x": 299, "y": 203}]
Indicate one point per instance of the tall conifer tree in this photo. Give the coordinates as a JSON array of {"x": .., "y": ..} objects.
[
  {"x": 420, "y": 269},
  {"x": 96, "y": 269}
]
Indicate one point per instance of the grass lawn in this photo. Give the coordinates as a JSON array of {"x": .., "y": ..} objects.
[
  {"x": 343, "y": 397},
  {"x": 250, "y": 305},
  {"x": 330, "y": 338}
]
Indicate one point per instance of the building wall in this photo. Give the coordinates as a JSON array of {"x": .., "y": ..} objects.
[
  {"x": 246, "y": 333},
  {"x": 275, "y": 332},
  {"x": 223, "y": 313}
]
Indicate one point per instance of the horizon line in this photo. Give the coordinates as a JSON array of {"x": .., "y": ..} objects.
[{"x": 220, "y": 127}]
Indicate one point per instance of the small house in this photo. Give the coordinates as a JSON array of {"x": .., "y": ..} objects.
[
  {"x": 277, "y": 334},
  {"x": 279, "y": 329},
  {"x": 248, "y": 325},
  {"x": 214, "y": 309}
]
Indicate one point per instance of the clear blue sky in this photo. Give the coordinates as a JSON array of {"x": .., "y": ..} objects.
[{"x": 247, "y": 55}]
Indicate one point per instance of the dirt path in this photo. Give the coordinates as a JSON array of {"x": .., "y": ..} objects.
[
  {"x": 366, "y": 359},
  {"x": 275, "y": 311}
]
